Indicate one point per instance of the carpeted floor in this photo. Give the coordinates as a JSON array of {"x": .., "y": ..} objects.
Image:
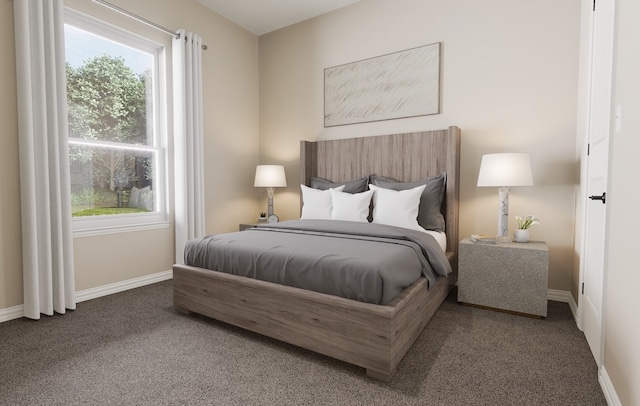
[{"x": 133, "y": 348}]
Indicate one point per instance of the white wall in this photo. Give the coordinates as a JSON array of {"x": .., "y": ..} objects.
[
  {"x": 622, "y": 322},
  {"x": 509, "y": 81}
]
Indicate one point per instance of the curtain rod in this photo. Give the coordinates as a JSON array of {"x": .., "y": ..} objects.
[{"x": 142, "y": 19}]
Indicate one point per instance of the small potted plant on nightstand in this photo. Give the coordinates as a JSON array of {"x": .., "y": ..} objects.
[
  {"x": 524, "y": 223},
  {"x": 263, "y": 217}
]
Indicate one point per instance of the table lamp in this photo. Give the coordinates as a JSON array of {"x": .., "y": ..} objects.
[
  {"x": 270, "y": 176},
  {"x": 504, "y": 171}
]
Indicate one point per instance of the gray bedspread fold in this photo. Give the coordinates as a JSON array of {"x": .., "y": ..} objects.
[{"x": 362, "y": 261}]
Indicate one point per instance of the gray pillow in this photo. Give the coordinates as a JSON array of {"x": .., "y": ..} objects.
[
  {"x": 429, "y": 215},
  {"x": 351, "y": 186}
]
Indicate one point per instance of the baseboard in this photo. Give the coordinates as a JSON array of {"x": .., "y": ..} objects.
[
  {"x": 564, "y": 296},
  {"x": 11, "y": 313},
  {"x": 93, "y": 293},
  {"x": 609, "y": 391},
  {"x": 15, "y": 312}
]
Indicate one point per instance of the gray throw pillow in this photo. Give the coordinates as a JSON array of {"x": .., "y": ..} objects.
[
  {"x": 351, "y": 186},
  {"x": 429, "y": 215}
]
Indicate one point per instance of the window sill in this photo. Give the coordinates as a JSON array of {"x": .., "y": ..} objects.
[{"x": 116, "y": 229}]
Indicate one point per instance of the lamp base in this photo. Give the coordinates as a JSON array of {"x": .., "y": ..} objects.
[
  {"x": 269, "y": 201},
  {"x": 503, "y": 215},
  {"x": 503, "y": 239}
]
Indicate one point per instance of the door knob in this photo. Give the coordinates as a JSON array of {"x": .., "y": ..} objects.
[{"x": 602, "y": 197}]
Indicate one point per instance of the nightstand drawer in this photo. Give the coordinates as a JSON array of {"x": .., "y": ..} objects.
[{"x": 507, "y": 276}]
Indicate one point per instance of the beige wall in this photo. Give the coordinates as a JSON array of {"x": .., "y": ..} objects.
[
  {"x": 230, "y": 74},
  {"x": 622, "y": 324},
  {"x": 509, "y": 81},
  {"x": 10, "y": 244}
]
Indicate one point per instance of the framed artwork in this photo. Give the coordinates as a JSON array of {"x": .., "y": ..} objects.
[{"x": 397, "y": 85}]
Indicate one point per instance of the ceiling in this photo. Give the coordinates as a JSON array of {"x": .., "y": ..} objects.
[{"x": 263, "y": 16}]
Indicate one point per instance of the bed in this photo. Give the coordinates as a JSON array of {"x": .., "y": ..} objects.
[{"x": 373, "y": 336}]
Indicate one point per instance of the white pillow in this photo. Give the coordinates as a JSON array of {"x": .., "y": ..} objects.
[
  {"x": 134, "y": 197},
  {"x": 145, "y": 200},
  {"x": 397, "y": 207},
  {"x": 316, "y": 204},
  {"x": 350, "y": 206}
]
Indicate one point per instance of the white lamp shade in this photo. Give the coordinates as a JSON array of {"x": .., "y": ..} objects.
[
  {"x": 505, "y": 170},
  {"x": 270, "y": 176}
]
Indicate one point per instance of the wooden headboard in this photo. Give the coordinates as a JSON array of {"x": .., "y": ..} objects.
[{"x": 404, "y": 157}]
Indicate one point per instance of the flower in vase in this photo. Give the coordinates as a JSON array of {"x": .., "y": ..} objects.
[{"x": 527, "y": 221}]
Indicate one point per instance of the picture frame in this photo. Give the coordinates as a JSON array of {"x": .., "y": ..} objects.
[{"x": 396, "y": 85}]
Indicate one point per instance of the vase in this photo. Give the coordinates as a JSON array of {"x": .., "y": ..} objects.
[{"x": 521, "y": 235}]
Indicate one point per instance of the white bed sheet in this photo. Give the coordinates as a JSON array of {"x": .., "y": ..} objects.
[{"x": 441, "y": 238}]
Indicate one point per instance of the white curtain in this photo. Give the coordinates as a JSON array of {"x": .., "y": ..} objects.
[
  {"x": 188, "y": 140},
  {"x": 47, "y": 250}
]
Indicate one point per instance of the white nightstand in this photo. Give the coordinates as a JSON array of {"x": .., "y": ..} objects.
[{"x": 507, "y": 276}]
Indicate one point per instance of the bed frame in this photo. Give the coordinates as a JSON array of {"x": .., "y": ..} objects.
[{"x": 375, "y": 337}]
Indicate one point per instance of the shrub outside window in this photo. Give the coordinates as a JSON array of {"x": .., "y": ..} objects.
[{"x": 116, "y": 151}]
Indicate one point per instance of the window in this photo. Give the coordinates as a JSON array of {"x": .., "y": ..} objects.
[{"x": 116, "y": 137}]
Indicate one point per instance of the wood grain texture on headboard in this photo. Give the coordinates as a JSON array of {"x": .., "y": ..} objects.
[{"x": 404, "y": 157}]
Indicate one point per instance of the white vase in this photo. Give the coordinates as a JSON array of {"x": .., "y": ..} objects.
[{"x": 521, "y": 235}]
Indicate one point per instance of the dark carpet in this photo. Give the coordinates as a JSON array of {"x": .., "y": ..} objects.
[{"x": 134, "y": 348}]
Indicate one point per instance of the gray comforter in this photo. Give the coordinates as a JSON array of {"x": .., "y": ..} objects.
[{"x": 362, "y": 261}]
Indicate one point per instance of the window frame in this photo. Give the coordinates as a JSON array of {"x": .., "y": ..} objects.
[{"x": 116, "y": 223}]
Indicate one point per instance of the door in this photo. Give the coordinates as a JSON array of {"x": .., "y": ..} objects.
[{"x": 597, "y": 166}]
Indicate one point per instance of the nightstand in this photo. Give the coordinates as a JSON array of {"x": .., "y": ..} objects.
[
  {"x": 507, "y": 276},
  {"x": 244, "y": 226}
]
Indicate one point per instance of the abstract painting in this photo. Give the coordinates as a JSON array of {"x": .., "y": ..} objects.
[{"x": 397, "y": 85}]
